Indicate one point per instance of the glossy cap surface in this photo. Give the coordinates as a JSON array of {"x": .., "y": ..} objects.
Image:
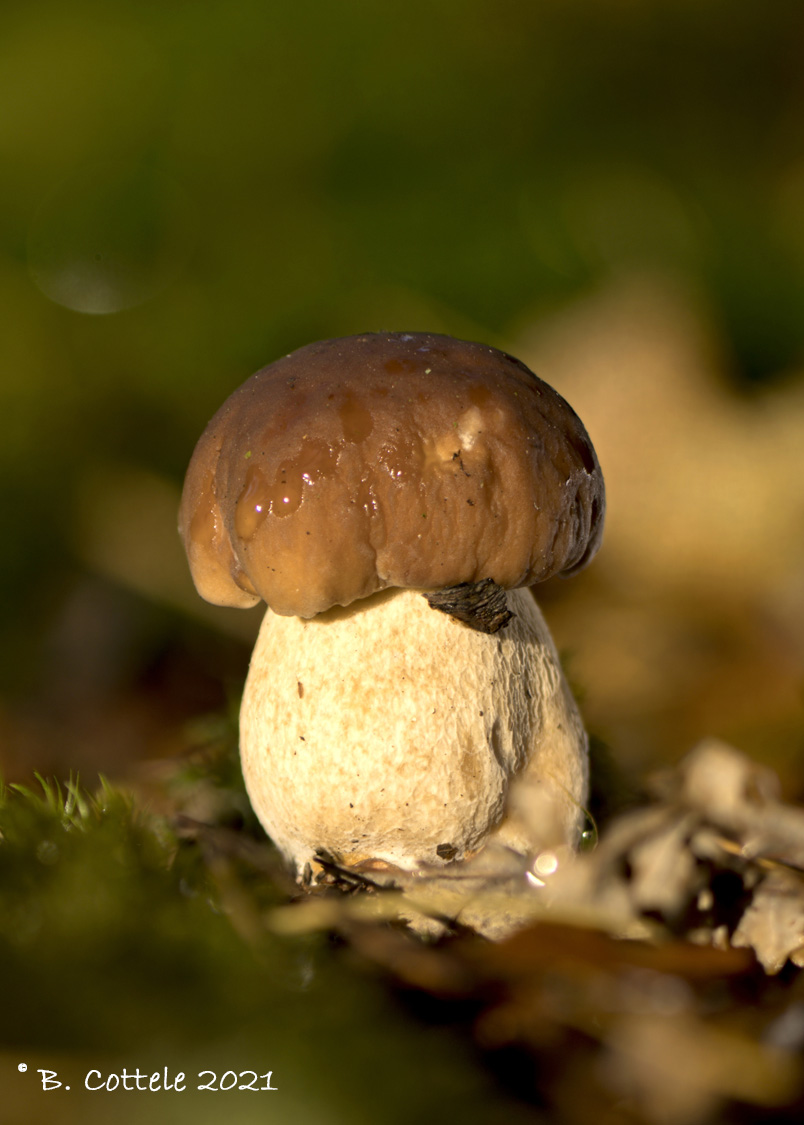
[{"x": 388, "y": 460}]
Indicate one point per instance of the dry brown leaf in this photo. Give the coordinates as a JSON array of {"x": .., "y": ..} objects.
[
  {"x": 664, "y": 869},
  {"x": 731, "y": 791},
  {"x": 773, "y": 925},
  {"x": 678, "y": 1069}
]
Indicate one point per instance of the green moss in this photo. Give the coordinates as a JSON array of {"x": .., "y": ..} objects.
[{"x": 126, "y": 939}]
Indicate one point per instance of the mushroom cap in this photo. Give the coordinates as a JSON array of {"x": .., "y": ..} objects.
[{"x": 398, "y": 459}]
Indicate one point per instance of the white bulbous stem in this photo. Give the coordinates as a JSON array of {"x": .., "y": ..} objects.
[{"x": 390, "y": 731}]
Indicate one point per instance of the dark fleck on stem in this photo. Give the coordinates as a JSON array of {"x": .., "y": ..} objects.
[{"x": 480, "y": 605}]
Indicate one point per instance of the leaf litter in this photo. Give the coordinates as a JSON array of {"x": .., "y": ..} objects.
[{"x": 656, "y": 974}]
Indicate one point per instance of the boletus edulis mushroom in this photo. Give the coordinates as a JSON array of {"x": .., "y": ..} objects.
[{"x": 392, "y": 497}]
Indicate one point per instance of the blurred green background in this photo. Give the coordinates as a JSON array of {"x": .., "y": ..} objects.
[
  {"x": 611, "y": 189},
  {"x": 191, "y": 190}
]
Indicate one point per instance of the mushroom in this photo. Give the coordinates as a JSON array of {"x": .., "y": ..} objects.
[{"x": 340, "y": 484}]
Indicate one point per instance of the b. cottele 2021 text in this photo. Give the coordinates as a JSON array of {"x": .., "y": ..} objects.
[{"x": 161, "y": 1080}]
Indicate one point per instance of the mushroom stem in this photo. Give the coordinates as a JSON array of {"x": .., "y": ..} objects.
[{"x": 385, "y": 731}]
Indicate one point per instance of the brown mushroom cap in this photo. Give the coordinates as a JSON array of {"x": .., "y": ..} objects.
[{"x": 388, "y": 459}]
